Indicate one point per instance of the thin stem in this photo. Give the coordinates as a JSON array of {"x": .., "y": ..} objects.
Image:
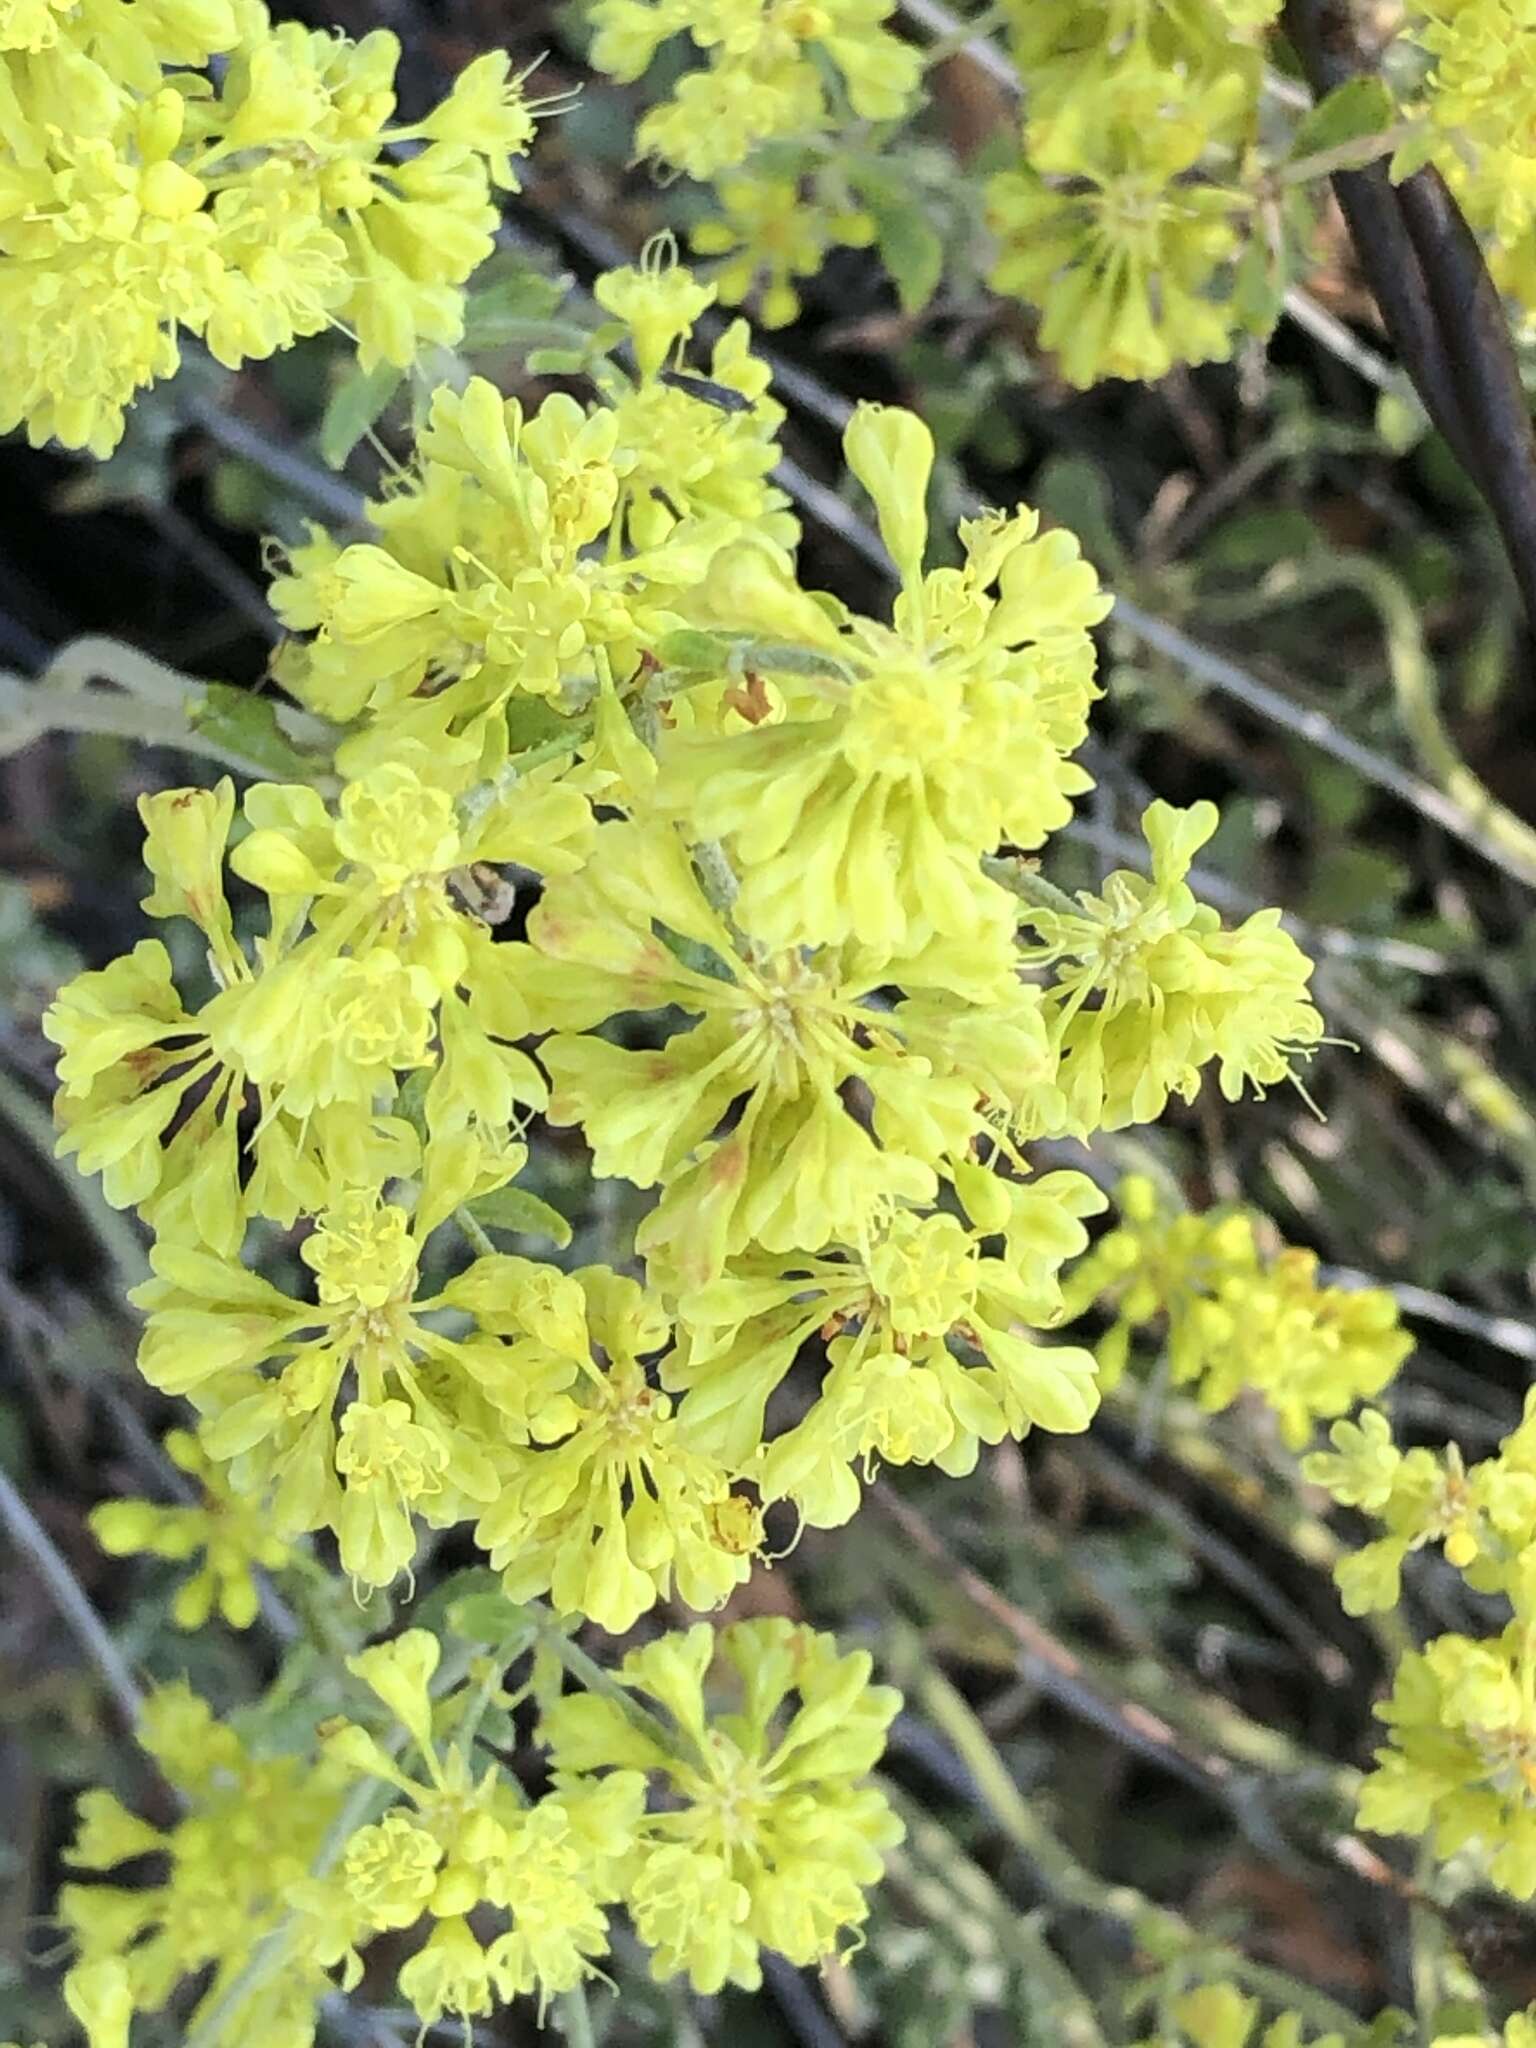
[
  {"x": 1426, "y": 270},
  {"x": 1341, "y": 340},
  {"x": 1318, "y": 730},
  {"x": 964, "y": 38},
  {"x": 484, "y": 796},
  {"x": 576, "y": 2018},
  {"x": 716, "y": 875},
  {"x": 1353, "y": 155},
  {"x": 479, "y": 1238},
  {"x": 81, "y": 1618},
  {"x": 1413, "y": 685},
  {"x": 290, "y": 467},
  {"x": 1153, "y": 1927},
  {"x": 1024, "y": 879},
  {"x": 593, "y": 1677}
]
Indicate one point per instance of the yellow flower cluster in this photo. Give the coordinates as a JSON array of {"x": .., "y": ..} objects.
[
  {"x": 231, "y": 1529},
  {"x": 1221, "y": 2016},
  {"x": 1460, "y": 1764},
  {"x": 719, "y": 1833},
  {"x": 194, "y": 166},
  {"x": 1129, "y": 222},
  {"x": 842, "y": 1041},
  {"x": 251, "y": 1829},
  {"x": 1480, "y": 102},
  {"x": 775, "y": 972},
  {"x": 767, "y": 1831},
  {"x": 1236, "y": 1321},
  {"x": 777, "y": 76},
  {"x": 765, "y": 72}
]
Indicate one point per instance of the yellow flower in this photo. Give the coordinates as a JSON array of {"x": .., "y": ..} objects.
[
  {"x": 770, "y": 1833},
  {"x": 353, "y": 1412},
  {"x": 895, "y": 1314},
  {"x": 232, "y": 1532},
  {"x": 779, "y": 1033},
  {"x": 866, "y": 815},
  {"x": 613, "y": 1506},
  {"x": 772, "y": 232}
]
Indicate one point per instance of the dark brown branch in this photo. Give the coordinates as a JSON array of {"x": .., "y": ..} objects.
[{"x": 1437, "y": 302}]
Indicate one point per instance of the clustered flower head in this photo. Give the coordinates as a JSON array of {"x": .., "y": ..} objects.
[
  {"x": 776, "y": 980},
  {"x": 767, "y": 1832},
  {"x": 251, "y": 1827},
  {"x": 761, "y": 78},
  {"x": 1479, "y": 103},
  {"x": 1222, "y": 2016},
  {"x": 194, "y": 166},
  {"x": 734, "y": 1812},
  {"x": 1130, "y": 222},
  {"x": 1235, "y": 1320},
  {"x": 230, "y": 1529},
  {"x": 1460, "y": 1761}
]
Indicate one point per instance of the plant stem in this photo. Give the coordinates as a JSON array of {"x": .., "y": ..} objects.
[
  {"x": 81, "y": 1618},
  {"x": 592, "y": 1677},
  {"x": 1026, "y": 882},
  {"x": 479, "y": 1238},
  {"x": 1353, "y": 155},
  {"x": 576, "y": 2019},
  {"x": 1157, "y": 1929}
]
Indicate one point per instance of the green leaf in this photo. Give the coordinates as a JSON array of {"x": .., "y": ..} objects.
[
  {"x": 694, "y": 651},
  {"x": 252, "y": 727},
  {"x": 515, "y": 1209},
  {"x": 557, "y": 362},
  {"x": 1401, "y": 422},
  {"x": 1361, "y": 106},
  {"x": 1075, "y": 493},
  {"x": 472, "y": 1582},
  {"x": 510, "y": 295},
  {"x": 1258, "y": 540},
  {"x": 487, "y": 1617},
  {"x": 910, "y": 245},
  {"x": 353, "y": 407}
]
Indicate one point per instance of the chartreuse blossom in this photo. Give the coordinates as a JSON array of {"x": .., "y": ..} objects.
[
  {"x": 865, "y": 814},
  {"x": 1460, "y": 1761},
  {"x": 1130, "y": 219},
  {"x": 771, "y": 233},
  {"x": 375, "y": 966},
  {"x": 761, "y": 79},
  {"x": 230, "y": 1529},
  {"x": 779, "y": 1032},
  {"x": 612, "y": 1504},
  {"x": 1482, "y": 1515},
  {"x": 354, "y": 1413},
  {"x": 774, "y": 974},
  {"x": 1236, "y": 1320},
  {"x": 141, "y": 196},
  {"x": 890, "y": 1314},
  {"x": 767, "y": 1833},
  {"x": 1221, "y": 2016},
  {"x": 538, "y": 556},
  {"x": 739, "y": 1829},
  {"x": 251, "y": 1828},
  {"x": 1149, "y": 987},
  {"x": 457, "y": 1843}
]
